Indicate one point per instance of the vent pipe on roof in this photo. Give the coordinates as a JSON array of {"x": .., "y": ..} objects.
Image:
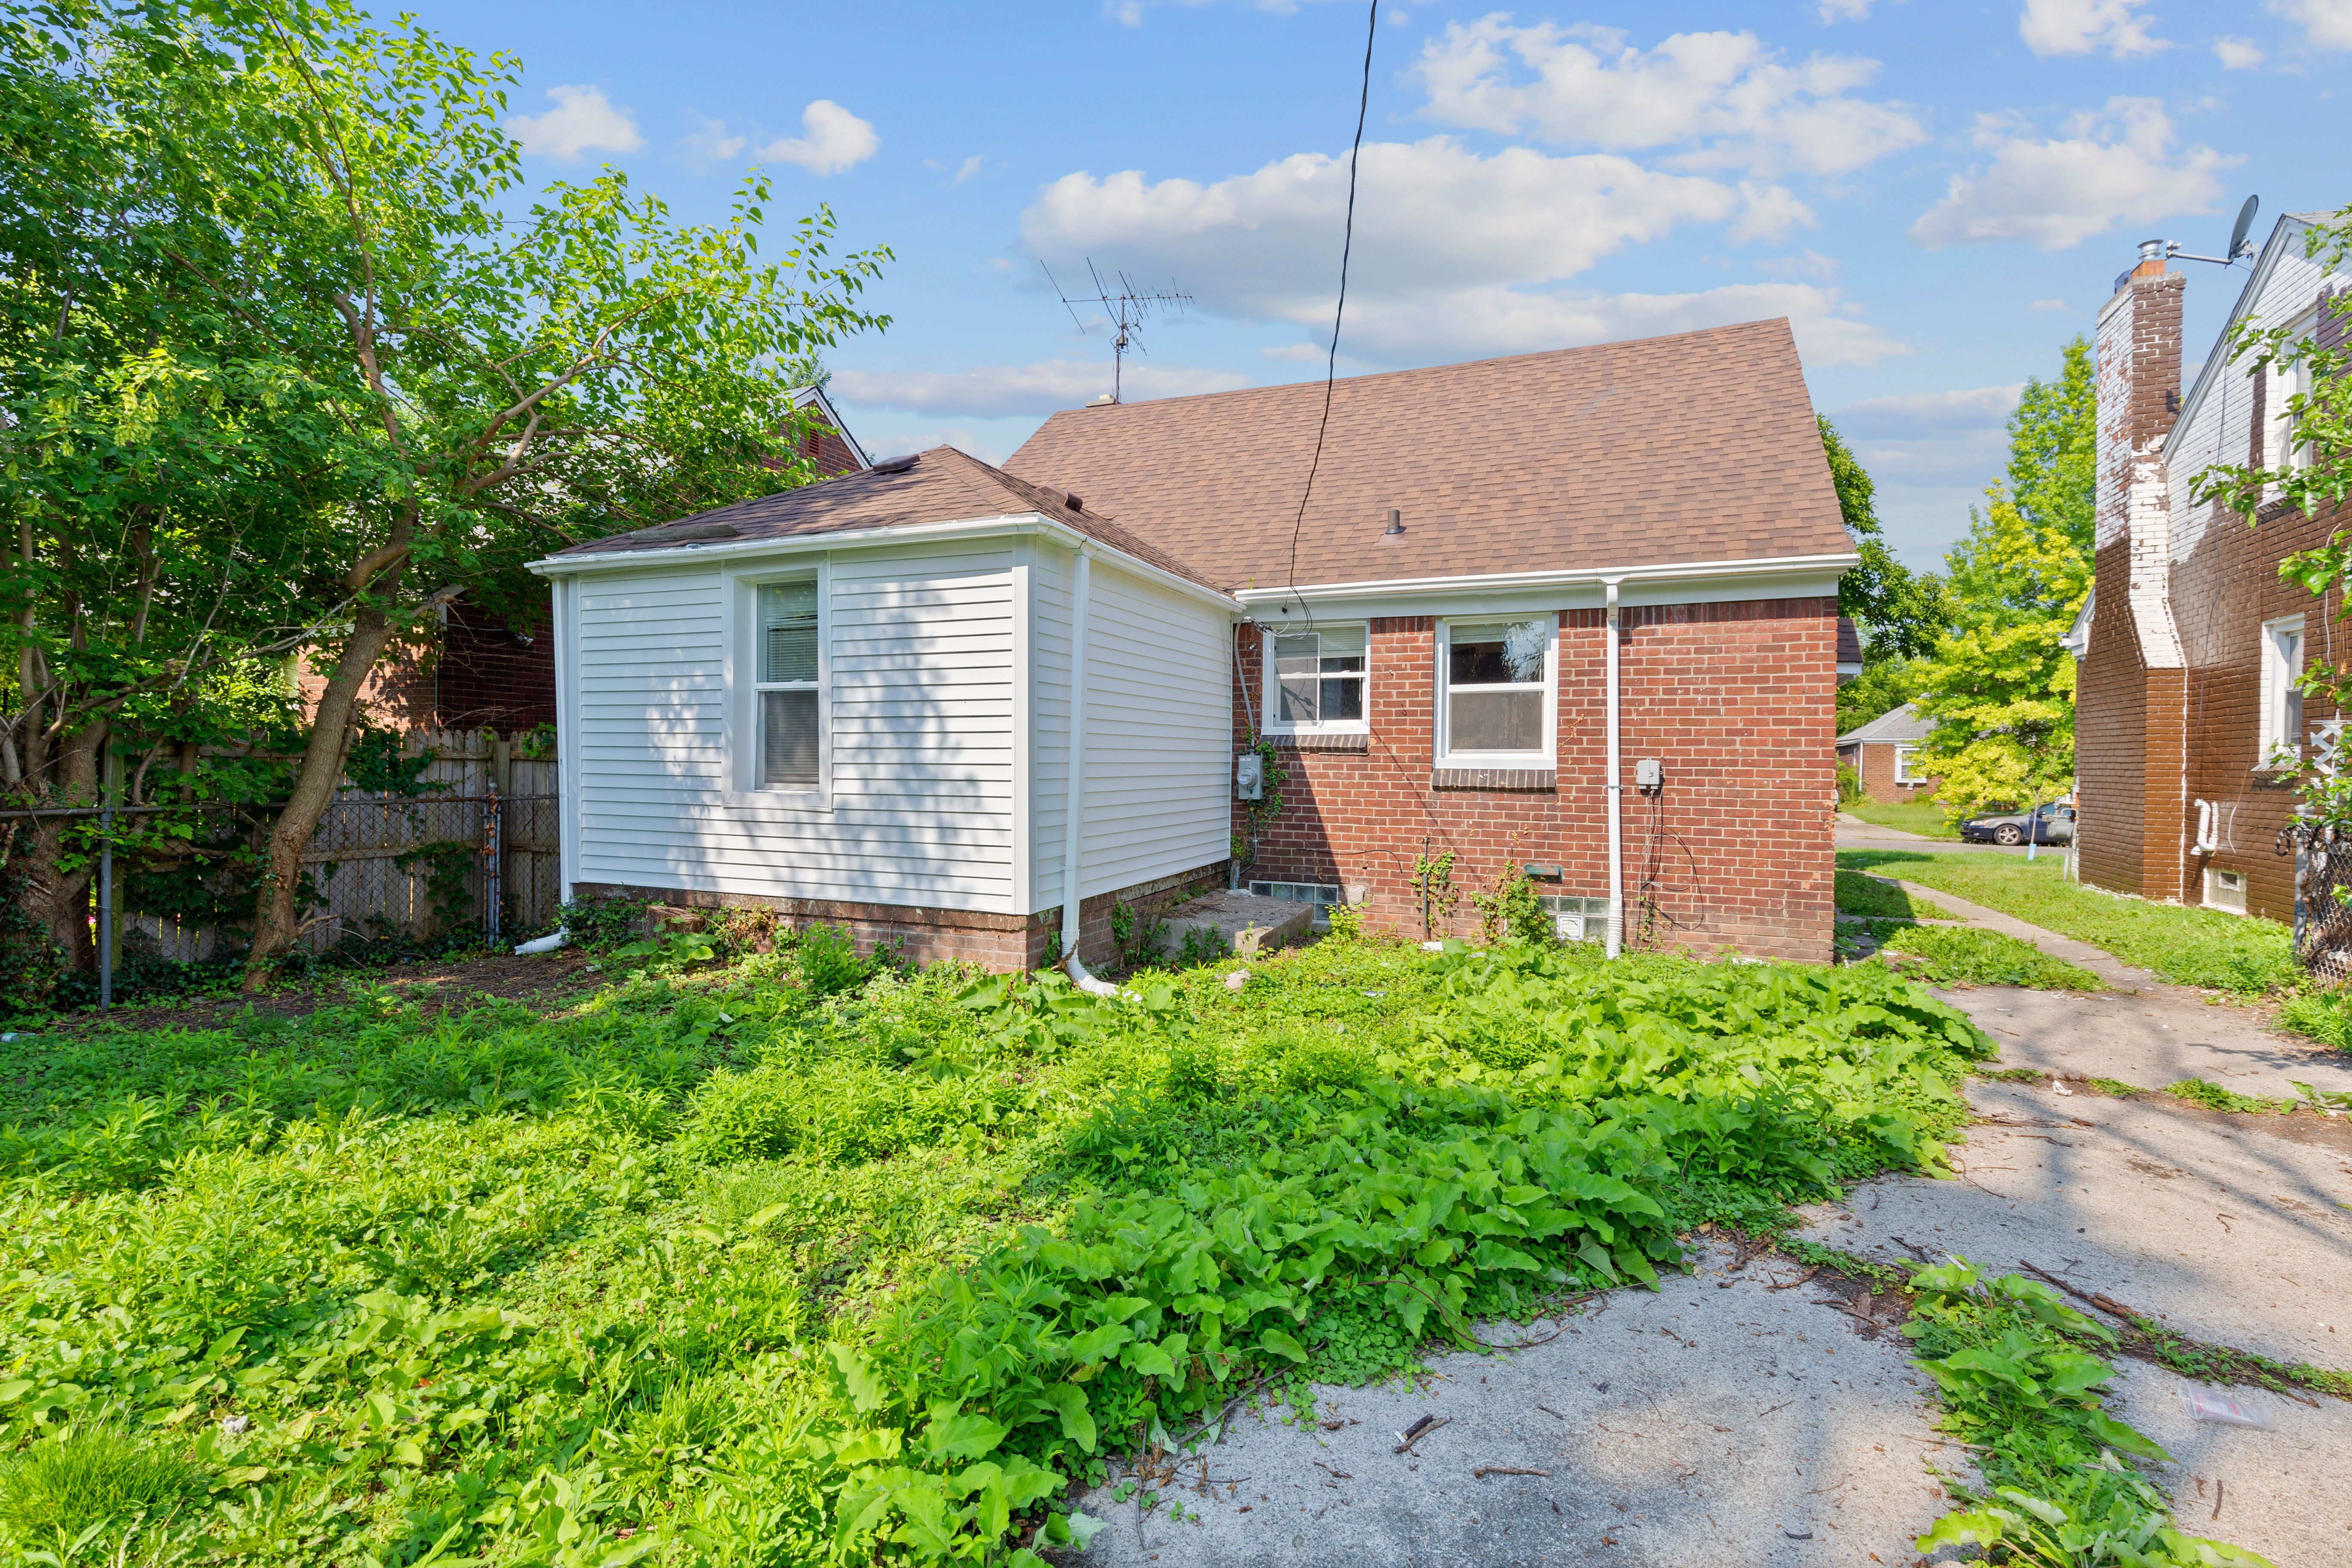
[{"x": 1396, "y": 520}]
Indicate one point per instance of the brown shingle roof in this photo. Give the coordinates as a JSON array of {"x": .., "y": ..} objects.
[
  {"x": 1700, "y": 446},
  {"x": 941, "y": 485}
]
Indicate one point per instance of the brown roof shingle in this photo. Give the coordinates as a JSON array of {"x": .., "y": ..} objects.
[
  {"x": 1699, "y": 447},
  {"x": 941, "y": 485}
]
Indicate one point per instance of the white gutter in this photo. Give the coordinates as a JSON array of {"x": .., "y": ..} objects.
[
  {"x": 1757, "y": 566},
  {"x": 1012, "y": 526},
  {"x": 1074, "y": 780},
  {"x": 1616, "y": 939}
]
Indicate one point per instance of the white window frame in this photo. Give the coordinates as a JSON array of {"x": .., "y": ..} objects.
[
  {"x": 1903, "y": 774},
  {"x": 1548, "y": 756},
  {"x": 2287, "y": 382},
  {"x": 2230, "y": 900},
  {"x": 1270, "y": 684},
  {"x": 743, "y": 687},
  {"x": 2277, "y": 748}
]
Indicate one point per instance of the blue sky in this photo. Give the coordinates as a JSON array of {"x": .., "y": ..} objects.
[{"x": 1937, "y": 194}]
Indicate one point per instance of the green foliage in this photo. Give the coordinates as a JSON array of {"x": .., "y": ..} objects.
[
  {"x": 1899, "y": 613},
  {"x": 1512, "y": 910},
  {"x": 602, "y": 922},
  {"x": 1347, "y": 922},
  {"x": 1137, "y": 937},
  {"x": 2002, "y": 696},
  {"x": 826, "y": 957},
  {"x": 88, "y": 1476},
  {"x": 28, "y": 965},
  {"x": 1884, "y": 685},
  {"x": 1848, "y": 786},
  {"x": 377, "y": 762},
  {"x": 719, "y": 1268},
  {"x": 1432, "y": 886},
  {"x": 1256, "y": 815},
  {"x": 1861, "y": 894},
  {"x": 2016, "y": 1384},
  {"x": 2204, "y": 948},
  {"x": 2325, "y": 1016},
  {"x": 1966, "y": 956},
  {"x": 2213, "y": 1096}
]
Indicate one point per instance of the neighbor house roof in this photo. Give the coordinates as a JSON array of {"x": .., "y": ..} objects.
[
  {"x": 941, "y": 485},
  {"x": 1900, "y": 726},
  {"x": 1697, "y": 447}
]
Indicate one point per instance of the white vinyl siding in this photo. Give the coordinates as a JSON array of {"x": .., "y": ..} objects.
[{"x": 918, "y": 652}]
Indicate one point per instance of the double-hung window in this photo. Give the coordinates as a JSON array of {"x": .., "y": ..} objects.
[
  {"x": 1903, "y": 774},
  {"x": 2288, "y": 381},
  {"x": 1316, "y": 678},
  {"x": 789, "y": 703},
  {"x": 2281, "y": 732},
  {"x": 1494, "y": 687}
]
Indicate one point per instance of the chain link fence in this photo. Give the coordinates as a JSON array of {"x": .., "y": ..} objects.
[{"x": 2323, "y": 896}]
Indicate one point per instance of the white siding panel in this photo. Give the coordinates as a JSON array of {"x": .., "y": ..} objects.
[
  {"x": 921, "y": 669},
  {"x": 1049, "y": 718}
]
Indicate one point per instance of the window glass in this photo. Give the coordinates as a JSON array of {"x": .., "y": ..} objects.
[
  {"x": 1320, "y": 676},
  {"x": 1495, "y": 685},
  {"x": 789, "y": 714}
]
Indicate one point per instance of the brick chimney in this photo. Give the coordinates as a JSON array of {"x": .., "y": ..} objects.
[{"x": 2130, "y": 760}]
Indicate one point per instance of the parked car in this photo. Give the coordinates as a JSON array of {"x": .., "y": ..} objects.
[{"x": 2052, "y": 823}]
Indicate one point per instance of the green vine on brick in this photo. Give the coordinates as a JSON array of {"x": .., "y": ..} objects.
[
  {"x": 1432, "y": 883},
  {"x": 1260, "y": 813}
]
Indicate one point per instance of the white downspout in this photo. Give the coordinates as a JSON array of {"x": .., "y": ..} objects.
[
  {"x": 1616, "y": 941},
  {"x": 1075, "y": 777}
]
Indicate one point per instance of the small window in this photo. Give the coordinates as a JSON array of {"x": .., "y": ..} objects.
[
  {"x": 1316, "y": 678},
  {"x": 2282, "y": 731},
  {"x": 1497, "y": 681},
  {"x": 790, "y": 704},
  {"x": 2225, "y": 890},
  {"x": 2288, "y": 381},
  {"x": 1903, "y": 774}
]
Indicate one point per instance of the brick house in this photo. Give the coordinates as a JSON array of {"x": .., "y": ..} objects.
[
  {"x": 475, "y": 672},
  {"x": 1426, "y": 642},
  {"x": 1881, "y": 752},
  {"x": 2189, "y": 727},
  {"x": 1571, "y": 614}
]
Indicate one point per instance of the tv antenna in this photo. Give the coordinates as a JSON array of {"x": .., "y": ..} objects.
[
  {"x": 2239, "y": 246},
  {"x": 1125, "y": 312}
]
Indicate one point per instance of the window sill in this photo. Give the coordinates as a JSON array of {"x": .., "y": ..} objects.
[
  {"x": 1323, "y": 741},
  {"x": 1532, "y": 779},
  {"x": 2274, "y": 778}
]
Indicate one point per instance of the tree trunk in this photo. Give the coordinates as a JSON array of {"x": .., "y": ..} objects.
[
  {"x": 276, "y": 919},
  {"x": 60, "y": 899}
]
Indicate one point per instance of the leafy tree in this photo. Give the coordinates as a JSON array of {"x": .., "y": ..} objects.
[
  {"x": 2001, "y": 687},
  {"x": 1884, "y": 684},
  {"x": 1899, "y": 613},
  {"x": 311, "y": 219}
]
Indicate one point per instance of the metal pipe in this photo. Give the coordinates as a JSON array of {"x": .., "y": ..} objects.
[
  {"x": 1073, "y": 775},
  {"x": 1616, "y": 792}
]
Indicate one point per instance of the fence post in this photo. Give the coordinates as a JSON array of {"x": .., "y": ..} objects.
[
  {"x": 493, "y": 862},
  {"x": 107, "y": 777}
]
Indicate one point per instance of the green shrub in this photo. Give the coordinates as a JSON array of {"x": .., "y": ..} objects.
[
  {"x": 1966, "y": 956},
  {"x": 2325, "y": 1016},
  {"x": 89, "y": 1476},
  {"x": 2213, "y": 1096},
  {"x": 827, "y": 959}
]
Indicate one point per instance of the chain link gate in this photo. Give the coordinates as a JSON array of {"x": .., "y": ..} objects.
[{"x": 2323, "y": 896}]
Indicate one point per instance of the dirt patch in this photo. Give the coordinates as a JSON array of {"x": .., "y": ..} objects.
[{"x": 437, "y": 984}]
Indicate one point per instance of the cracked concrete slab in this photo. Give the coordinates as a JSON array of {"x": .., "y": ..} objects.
[{"x": 1719, "y": 1419}]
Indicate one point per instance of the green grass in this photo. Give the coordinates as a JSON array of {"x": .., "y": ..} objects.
[
  {"x": 2325, "y": 1016},
  {"x": 1858, "y": 894},
  {"x": 2203, "y": 948},
  {"x": 1965, "y": 956},
  {"x": 2213, "y": 1096},
  {"x": 787, "y": 1262},
  {"x": 1921, "y": 816}
]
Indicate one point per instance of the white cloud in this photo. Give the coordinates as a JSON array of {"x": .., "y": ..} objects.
[
  {"x": 2329, "y": 22},
  {"x": 1475, "y": 322},
  {"x": 583, "y": 120},
  {"x": 711, "y": 142},
  {"x": 892, "y": 441},
  {"x": 1002, "y": 390},
  {"x": 1805, "y": 264},
  {"x": 1845, "y": 11},
  {"x": 2060, "y": 306},
  {"x": 836, "y": 140},
  {"x": 1723, "y": 99},
  {"x": 2237, "y": 54},
  {"x": 2086, "y": 26},
  {"x": 2112, "y": 164},
  {"x": 970, "y": 168},
  {"x": 1430, "y": 217}
]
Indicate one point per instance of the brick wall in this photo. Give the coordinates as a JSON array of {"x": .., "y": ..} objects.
[
  {"x": 2111, "y": 737},
  {"x": 1878, "y": 770},
  {"x": 1736, "y": 699},
  {"x": 491, "y": 676}
]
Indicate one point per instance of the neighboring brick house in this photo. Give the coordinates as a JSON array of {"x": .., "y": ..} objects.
[
  {"x": 473, "y": 671},
  {"x": 1881, "y": 752},
  {"x": 1423, "y": 638},
  {"x": 2188, "y": 725}
]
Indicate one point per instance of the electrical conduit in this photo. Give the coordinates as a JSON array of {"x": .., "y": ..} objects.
[
  {"x": 1074, "y": 780},
  {"x": 1616, "y": 943}
]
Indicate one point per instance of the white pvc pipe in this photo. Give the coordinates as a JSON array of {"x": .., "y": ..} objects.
[
  {"x": 1075, "y": 781},
  {"x": 1616, "y": 942}
]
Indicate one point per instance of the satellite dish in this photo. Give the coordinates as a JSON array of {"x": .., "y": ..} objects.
[{"x": 2238, "y": 245}]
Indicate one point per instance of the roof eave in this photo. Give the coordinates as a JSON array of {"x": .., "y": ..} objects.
[{"x": 1764, "y": 567}]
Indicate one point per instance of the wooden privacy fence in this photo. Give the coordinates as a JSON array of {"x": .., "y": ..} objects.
[{"x": 480, "y": 850}]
